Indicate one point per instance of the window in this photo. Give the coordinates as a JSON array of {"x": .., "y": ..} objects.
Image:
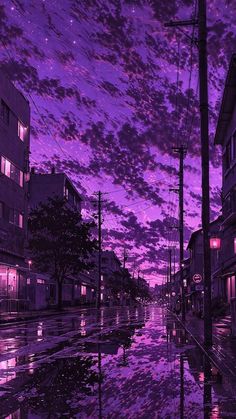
[
  {"x": 4, "y": 112},
  {"x": 11, "y": 171},
  {"x": 40, "y": 281},
  {"x": 15, "y": 217},
  {"x": 1, "y": 209},
  {"x": 83, "y": 290},
  {"x": 66, "y": 192},
  {"x": 227, "y": 155},
  {"x": 21, "y": 131}
]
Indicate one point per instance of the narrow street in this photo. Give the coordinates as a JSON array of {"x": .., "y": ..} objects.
[{"x": 129, "y": 363}]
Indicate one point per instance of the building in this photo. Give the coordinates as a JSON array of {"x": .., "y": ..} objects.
[
  {"x": 80, "y": 289},
  {"x": 48, "y": 185},
  {"x": 111, "y": 277},
  {"x": 14, "y": 151},
  {"x": 226, "y": 137},
  {"x": 14, "y": 154},
  {"x": 195, "y": 282}
]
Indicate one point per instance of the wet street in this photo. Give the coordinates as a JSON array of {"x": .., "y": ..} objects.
[{"x": 124, "y": 363}]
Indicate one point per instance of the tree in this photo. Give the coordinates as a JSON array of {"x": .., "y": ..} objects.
[{"x": 60, "y": 242}]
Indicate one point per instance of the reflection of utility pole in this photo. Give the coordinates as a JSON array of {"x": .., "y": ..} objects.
[
  {"x": 170, "y": 275},
  {"x": 99, "y": 381},
  {"x": 207, "y": 388},
  {"x": 181, "y": 386}
]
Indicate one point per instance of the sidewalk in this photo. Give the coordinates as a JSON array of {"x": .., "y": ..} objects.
[{"x": 223, "y": 352}]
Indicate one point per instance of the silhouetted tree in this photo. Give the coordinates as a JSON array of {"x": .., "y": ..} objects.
[{"x": 60, "y": 242}]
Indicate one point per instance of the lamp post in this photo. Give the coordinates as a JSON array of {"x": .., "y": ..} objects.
[{"x": 29, "y": 264}]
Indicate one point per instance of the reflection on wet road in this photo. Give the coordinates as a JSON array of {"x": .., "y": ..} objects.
[{"x": 122, "y": 363}]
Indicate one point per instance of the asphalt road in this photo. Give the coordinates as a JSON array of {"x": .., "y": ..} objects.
[{"x": 118, "y": 363}]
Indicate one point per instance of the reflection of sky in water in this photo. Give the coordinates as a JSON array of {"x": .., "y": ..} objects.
[{"x": 139, "y": 365}]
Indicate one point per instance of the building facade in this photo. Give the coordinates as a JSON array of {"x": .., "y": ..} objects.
[
  {"x": 14, "y": 156},
  {"x": 80, "y": 289},
  {"x": 43, "y": 186},
  {"x": 14, "y": 153},
  {"x": 226, "y": 137}
]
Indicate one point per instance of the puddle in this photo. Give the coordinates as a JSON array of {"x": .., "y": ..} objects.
[{"x": 139, "y": 364}]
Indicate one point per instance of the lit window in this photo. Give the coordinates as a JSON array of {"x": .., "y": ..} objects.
[
  {"x": 21, "y": 131},
  {"x": 40, "y": 281},
  {"x": 20, "y": 220},
  {"x": 11, "y": 171},
  {"x": 66, "y": 192},
  {"x": 28, "y": 281},
  {"x": 5, "y": 112},
  {"x": 83, "y": 290}
]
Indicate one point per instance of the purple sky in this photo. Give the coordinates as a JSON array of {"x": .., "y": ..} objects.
[{"x": 101, "y": 78}]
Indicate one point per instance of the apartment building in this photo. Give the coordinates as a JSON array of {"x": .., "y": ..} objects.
[
  {"x": 226, "y": 137},
  {"x": 14, "y": 173}
]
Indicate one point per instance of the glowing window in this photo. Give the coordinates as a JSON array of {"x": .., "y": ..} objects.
[
  {"x": 40, "y": 281},
  {"x": 11, "y": 171},
  {"x": 83, "y": 290},
  {"x": 21, "y": 131}
]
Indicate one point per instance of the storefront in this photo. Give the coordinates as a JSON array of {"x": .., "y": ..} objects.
[{"x": 12, "y": 289}]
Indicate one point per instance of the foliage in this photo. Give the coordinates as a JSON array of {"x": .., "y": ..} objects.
[{"x": 60, "y": 242}]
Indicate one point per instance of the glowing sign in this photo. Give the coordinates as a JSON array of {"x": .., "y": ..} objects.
[{"x": 197, "y": 278}]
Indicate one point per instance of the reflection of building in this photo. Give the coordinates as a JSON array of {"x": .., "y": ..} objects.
[{"x": 14, "y": 154}]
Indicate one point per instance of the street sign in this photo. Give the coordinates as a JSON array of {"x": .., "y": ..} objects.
[
  {"x": 199, "y": 287},
  {"x": 197, "y": 278}
]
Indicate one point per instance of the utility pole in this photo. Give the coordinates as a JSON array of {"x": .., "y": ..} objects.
[
  {"x": 203, "y": 84},
  {"x": 182, "y": 153},
  {"x": 124, "y": 257},
  {"x": 99, "y": 202},
  {"x": 203, "y": 96},
  {"x": 123, "y": 276}
]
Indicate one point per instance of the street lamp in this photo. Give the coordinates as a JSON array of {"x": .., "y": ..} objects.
[
  {"x": 215, "y": 243},
  {"x": 29, "y": 264}
]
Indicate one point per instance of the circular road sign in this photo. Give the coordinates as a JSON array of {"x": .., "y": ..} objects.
[{"x": 197, "y": 278}]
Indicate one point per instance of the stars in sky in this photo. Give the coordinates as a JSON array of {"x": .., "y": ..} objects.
[{"x": 104, "y": 78}]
